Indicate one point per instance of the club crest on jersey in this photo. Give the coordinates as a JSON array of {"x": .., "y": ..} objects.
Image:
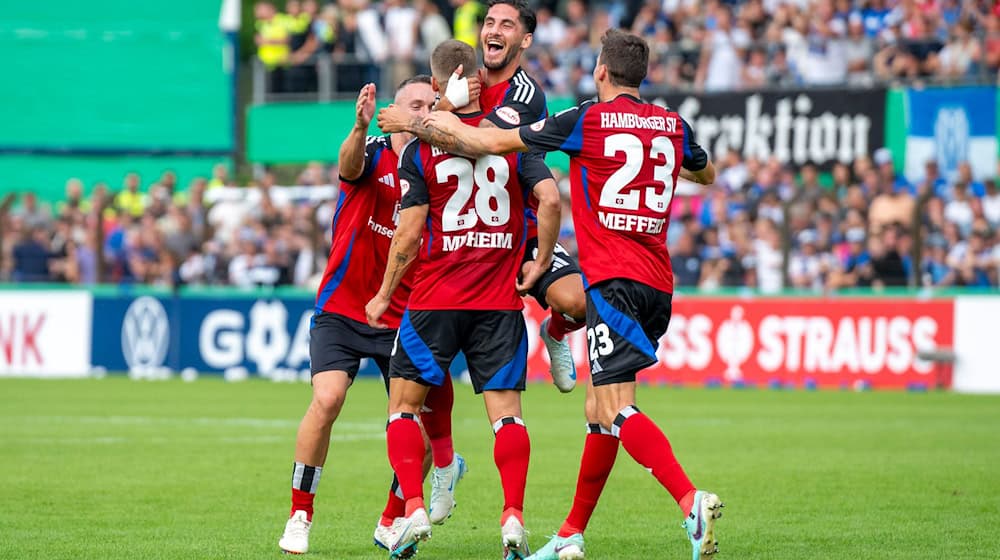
[
  {"x": 509, "y": 115},
  {"x": 538, "y": 126}
]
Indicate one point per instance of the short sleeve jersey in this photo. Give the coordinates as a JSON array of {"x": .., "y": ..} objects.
[
  {"x": 475, "y": 234},
  {"x": 519, "y": 100},
  {"x": 363, "y": 226},
  {"x": 625, "y": 156}
]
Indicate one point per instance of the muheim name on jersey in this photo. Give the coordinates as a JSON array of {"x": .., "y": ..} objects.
[
  {"x": 478, "y": 239},
  {"x": 795, "y": 126}
]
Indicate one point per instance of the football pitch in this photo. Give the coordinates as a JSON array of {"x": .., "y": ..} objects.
[{"x": 115, "y": 468}]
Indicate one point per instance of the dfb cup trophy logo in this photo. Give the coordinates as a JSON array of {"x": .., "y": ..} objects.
[
  {"x": 145, "y": 333},
  {"x": 735, "y": 343}
]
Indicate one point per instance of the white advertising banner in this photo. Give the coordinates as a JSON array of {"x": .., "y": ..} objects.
[{"x": 45, "y": 334}]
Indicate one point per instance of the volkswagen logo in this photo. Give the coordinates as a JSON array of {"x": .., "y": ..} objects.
[{"x": 145, "y": 333}]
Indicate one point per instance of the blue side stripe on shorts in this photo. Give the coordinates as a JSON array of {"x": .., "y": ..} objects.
[
  {"x": 509, "y": 376},
  {"x": 419, "y": 353},
  {"x": 625, "y": 326}
]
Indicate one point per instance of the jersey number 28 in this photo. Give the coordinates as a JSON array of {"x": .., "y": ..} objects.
[
  {"x": 612, "y": 195},
  {"x": 490, "y": 175}
]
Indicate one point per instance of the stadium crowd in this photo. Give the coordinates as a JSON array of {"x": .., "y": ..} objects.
[
  {"x": 860, "y": 231},
  {"x": 712, "y": 45}
]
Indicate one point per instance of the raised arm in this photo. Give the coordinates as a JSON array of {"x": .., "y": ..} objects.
[
  {"x": 352, "y": 151},
  {"x": 549, "y": 219}
]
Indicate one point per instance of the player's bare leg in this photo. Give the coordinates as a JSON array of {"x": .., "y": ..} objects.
[
  {"x": 406, "y": 452},
  {"x": 511, "y": 452},
  {"x": 647, "y": 444},
  {"x": 600, "y": 449},
  {"x": 311, "y": 446},
  {"x": 568, "y": 311}
]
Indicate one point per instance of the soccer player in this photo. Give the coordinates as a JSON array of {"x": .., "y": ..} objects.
[
  {"x": 511, "y": 97},
  {"x": 340, "y": 336},
  {"x": 465, "y": 298},
  {"x": 625, "y": 157}
]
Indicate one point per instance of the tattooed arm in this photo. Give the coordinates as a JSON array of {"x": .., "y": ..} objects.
[{"x": 402, "y": 253}]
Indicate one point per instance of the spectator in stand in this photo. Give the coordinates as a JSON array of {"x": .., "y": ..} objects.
[
  {"x": 31, "y": 256},
  {"x": 220, "y": 176},
  {"x": 859, "y": 48},
  {"x": 890, "y": 266},
  {"x": 33, "y": 214},
  {"x": 130, "y": 200},
  {"x": 889, "y": 206},
  {"x": 550, "y": 29},
  {"x": 767, "y": 257},
  {"x": 75, "y": 204},
  {"x": 686, "y": 262},
  {"x": 468, "y": 19},
  {"x": 991, "y": 204},
  {"x": 721, "y": 61},
  {"x": 992, "y": 55},
  {"x": 959, "y": 209},
  {"x": 401, "y": 24},
  {"x": 434, "y": 28},
  {"x": 960, "y": 58},
  {"x": 973, "y": 260},
  {"x": 936, "y": 272},
  {"x": 303, "y": 44},
  {"x": 272, "y": 39}
]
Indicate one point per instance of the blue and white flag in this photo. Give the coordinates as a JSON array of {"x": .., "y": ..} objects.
[{"x": 949, "y": 126}]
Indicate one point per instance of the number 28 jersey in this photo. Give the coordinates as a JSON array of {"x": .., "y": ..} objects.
[
  {"x": 474, "y": 240},
  {"x": 625, "y": 156}
]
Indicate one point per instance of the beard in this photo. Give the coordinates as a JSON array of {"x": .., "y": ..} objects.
[{"x": 506, "y": 60}]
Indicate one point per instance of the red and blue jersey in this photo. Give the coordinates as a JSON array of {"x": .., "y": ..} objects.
[
  {"x": 363, "y": 225},
  {"x": 510, "y": 104},
  {"x": 474, "y": 239},
  {"x": 625, "y": 156}
]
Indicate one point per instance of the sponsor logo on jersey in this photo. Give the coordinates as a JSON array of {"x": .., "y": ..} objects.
[
  {"x": 380, "y": 229},
  {"x": 538, "y": 126},
  {"x": 404, "y": 187},
  {"x": 387, "y": 179},
  {"x": 509, "y": 115}
]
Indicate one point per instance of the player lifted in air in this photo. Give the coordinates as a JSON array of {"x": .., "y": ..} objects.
[
  {"x": 510, "y": 97},
  {"x": 465, "y": 298},
  {"x": 340, "y": 337},
  {"x": 625, "y": 157}
]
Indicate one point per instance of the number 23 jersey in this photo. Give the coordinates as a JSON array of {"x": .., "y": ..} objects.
[
  {"x": 625, "y": 156},
  {"x": 474, "y": 240}
]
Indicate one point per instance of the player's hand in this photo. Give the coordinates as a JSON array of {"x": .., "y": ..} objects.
[
  {"x": 375, "y": 309},
  {"x": 531, "y": 272},
  {"x": 459, "y": 89},
  {"x": 364, "y": 110},
  {"x": 445, "y": 122},
  {"x": 393, "y": 119}
]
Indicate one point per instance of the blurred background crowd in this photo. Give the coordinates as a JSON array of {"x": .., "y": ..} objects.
[
  {"x": 762, "y": 226},
  {"x": 706, "y": 45}
]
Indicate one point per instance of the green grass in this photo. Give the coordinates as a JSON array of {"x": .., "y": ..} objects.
[{"x": 119, "y": 469}]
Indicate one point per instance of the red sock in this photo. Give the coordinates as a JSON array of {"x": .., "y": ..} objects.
[
  {"x": 599, "y": 453},
  {"x": 645, "y": 442},
  {"x": 406, "y": 455},
  {"x": 302, "y": 501},
  {"x": 510, "y": 452},
  {"x": 394, "y": 506},
  {"x": 560, "y": 326},
  {"x": 437, "y": 422},
  {"x": 305, "y": 482}
]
